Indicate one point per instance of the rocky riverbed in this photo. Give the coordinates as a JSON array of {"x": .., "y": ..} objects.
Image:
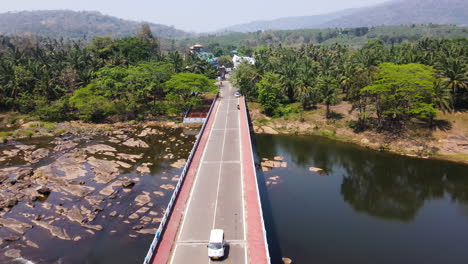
[{"x": 68, "y": 199}]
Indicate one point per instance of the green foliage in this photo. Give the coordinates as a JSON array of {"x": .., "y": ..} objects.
[
  {"x": 183, "y": 88},
  {"x": 90, "y": 105},
  {"x": 246, "y": 78},
  {"x": 225, "y": 61},
  {"x": 402, "y": 92},
  {"x": 269, "y": 92},
  {"x": 53, "y": 111},
  {"x": 287, "y": 110}
]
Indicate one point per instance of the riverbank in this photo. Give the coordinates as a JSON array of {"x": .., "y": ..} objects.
[
  {"x": 447, "y": 141},
  {"x": 14, "y": 126}
]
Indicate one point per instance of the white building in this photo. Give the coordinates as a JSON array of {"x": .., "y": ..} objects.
[{"x": 236, "y": 60}]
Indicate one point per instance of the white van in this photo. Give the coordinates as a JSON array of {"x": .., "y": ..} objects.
[{"x": 216, "y": 244}]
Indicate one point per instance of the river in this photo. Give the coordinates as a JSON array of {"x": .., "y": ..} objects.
[
  {"x": 365, "y": 207},
  {"x": 108, "y": 192}
]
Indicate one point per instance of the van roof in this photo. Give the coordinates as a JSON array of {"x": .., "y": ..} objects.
[{"x": 216, "y": 236}]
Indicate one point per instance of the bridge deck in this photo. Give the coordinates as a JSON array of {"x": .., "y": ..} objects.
[{"x": 217, "y": 198}]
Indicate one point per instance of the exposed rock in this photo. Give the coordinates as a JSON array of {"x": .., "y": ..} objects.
[
  {"x": 142, "y": 199},
  {"x": 23, "y": 173},
  {"x": 134, "y": 216},
  {"x": 365, "y": 141},
  {"x": 31, "y": 244},
  {"x": 286, "y": 260},
  {"x": 100, "y": 148},
  {"x": 54, "y": 230},
  {"x": 123, "y": 164},
  {"x": 11, "y": 238},
  {"x": 128, "y": 183},
  {"x": 13, "y": 253},
  {"x": 179, "y": 164},
  {"x": 37, "y": 155},
  {"x": 279, "y": 158},
  {"x": 168, "y": 186},
  {"x": 43, "y": 190},
  {"x": 158, "y": 193},
  {"x": 129, "y": 157},
  {"x": 10, "y": 202},
  {"x": 62, "y": 145},
  {"x": 135, "y": 143},
  {"x": 143, "y": 169},
  {"x": 113, "y": 213},
  {"x": 138, "y": 227},
  {"x": 142, "y": 210},
  {"x": 74, "y": 214},
  {"x": 318, "y": 170},
  {"x": 147, "y": 231},
  {"x": 25, "y": 147},
  {"x": 148, "y": 131},
  {"x": 109, "y": 189},
  {"x": 72, "y": 164},
  {"x": 11, "y": 153},
  {"x": 268, "y": 130},
  {"x": 105, "y": 170}
]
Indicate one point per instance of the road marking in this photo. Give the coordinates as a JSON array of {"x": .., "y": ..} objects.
[
  {"x": 186, "y": 210},
  {"x": 220, "y": 168}
]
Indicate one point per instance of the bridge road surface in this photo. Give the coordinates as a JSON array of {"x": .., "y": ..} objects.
[{"x": 216, "y": 200}]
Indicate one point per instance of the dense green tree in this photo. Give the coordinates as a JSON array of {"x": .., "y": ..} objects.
[
  {"x": 183, "y": 88},
  {"x": 402, "y": 92},
  {"x": 269, "y": 92}
]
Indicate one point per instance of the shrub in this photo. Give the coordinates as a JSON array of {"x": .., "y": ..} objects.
[{"x": 55, "y": 111}]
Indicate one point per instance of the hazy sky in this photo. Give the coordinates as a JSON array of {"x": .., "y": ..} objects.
[{"x": 204, "y": 15}]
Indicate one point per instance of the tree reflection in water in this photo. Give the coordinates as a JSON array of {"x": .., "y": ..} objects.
[{"x": 379, "y": 184}]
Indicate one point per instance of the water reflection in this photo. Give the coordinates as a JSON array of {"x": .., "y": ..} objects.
[
  {"x": 365, "y": 204},
  {"x": 379, "y": 184}
]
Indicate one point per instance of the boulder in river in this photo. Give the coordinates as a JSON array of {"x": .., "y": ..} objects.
[
  {"x": 286, "y": 260},
  {"x": 43, "y": 190},
  {"x": 318, "y": 170}
]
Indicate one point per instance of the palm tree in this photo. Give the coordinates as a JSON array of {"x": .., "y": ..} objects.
[
  {"x": 441, "y": 98},
  {"x": 328, "y": 88},
  {"x": 455, "y": 73}
]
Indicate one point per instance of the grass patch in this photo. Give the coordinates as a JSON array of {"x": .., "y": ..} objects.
[
  {"x": 49, "y": 127},
  {"x": 59, "y": 132},
  {"x": 457, "y": 156},
  {"x": 328, "y": 134}
]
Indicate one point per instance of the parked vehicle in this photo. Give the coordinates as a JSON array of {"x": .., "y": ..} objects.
[{"x": 237, "y": 94}]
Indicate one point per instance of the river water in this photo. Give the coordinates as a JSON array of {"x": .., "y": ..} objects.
[
  {"x": 365, "y": 207},
  {"x": 89, "y": 216}
]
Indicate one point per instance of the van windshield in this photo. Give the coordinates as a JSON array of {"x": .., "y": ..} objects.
[{"x": 215, "y": 246}]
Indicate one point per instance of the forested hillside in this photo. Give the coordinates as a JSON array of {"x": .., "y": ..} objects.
[
  {"x": 354, "y": 37},
  {"x": 76, "y": 25},
  {"x": 396, "y": 12}
]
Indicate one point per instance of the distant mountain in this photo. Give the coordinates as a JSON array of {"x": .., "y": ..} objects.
[
  {"x": 396, "y": 12},
  {"x": 399, "y": 12},
  {"x": 75, "y": 25},
  {"x": 288, "y": 23}
]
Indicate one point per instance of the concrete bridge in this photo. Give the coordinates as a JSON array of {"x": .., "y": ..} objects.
[{"x": 218, "y": 190}]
